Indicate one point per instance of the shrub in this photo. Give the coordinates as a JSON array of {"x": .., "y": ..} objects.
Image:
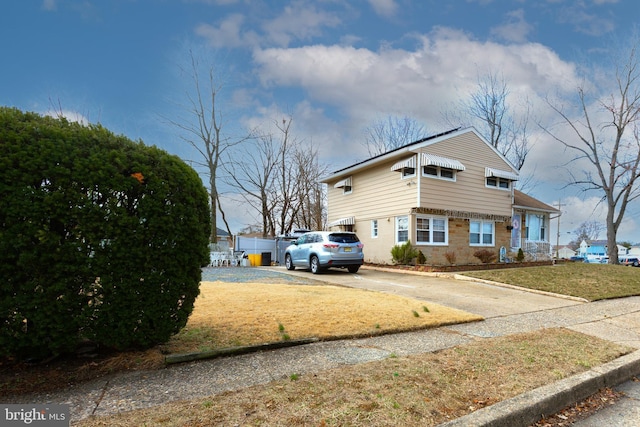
[
  {"x": 101, "y": 238},
  {"x": 520, "y": 256},
  {"x": 404, "y": 254},
  {"x": 485, "y": 256},
  {"x": 421, "y": 259}
]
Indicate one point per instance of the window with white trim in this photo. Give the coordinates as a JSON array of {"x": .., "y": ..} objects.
[
  {"x": 374, "y": 228},
  {"x": 536, "y": 228},
  {"x": 481, "y": 233},
  {"x": 402, "y": 229},
  {"x": 501, "y": 183},
  {"x": 408, "y": 172},
  {"x": 439, "y": 172},
  {"x": 432, "y": 230}
]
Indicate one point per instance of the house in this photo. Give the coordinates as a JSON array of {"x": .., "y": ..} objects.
[
  {"x": 450, "y": 194},
  {"x": 596, "y": 250},
  {"x": 565, "y": 252},
  {"x": 531, "y": 223}
]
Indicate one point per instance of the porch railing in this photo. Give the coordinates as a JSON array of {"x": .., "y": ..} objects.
[{"x": 537, "y": 250}]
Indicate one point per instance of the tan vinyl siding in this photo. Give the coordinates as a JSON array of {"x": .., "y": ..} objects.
[
  {"x": 375, "y": 193},
  {"x": 468, "y": 192}
]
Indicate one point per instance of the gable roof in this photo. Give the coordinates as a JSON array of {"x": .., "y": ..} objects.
[
  {"x": 410, "y": 148},
  {"x": 521, "y": 200}
]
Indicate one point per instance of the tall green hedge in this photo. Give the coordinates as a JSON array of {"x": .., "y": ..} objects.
[{"x": 101, "y": 238}]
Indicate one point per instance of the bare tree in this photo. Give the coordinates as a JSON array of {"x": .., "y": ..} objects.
[
  {"x": 311, "y": 213},
  {"x": 252, "y": 173},
  {"x": 588, "y": 231},
  {"x": 203, "y": 130},
  {"x": 498, "y": 122},
  {"x": 278, "y": 176},
  {"x": 606, "y": 138},
  {"x": 391, "y": 133}
]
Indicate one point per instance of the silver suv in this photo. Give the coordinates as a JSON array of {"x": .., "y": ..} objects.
[{"x": 319, "y": 250}]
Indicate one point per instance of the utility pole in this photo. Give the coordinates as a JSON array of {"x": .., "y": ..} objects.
[{"x": 560, "y": 205}]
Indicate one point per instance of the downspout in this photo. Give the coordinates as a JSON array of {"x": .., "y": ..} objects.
[{"x": 419, "y": 179}]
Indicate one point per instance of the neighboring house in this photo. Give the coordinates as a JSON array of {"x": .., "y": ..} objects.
[
  {"x": 531, "y": 224},
  {"x": 565, "y": 252},
  {"x": 635, "y": 250},
  {"x": 597, "y": 249},
  {"x": 225, "y": 241},
  {"x": 449, "y": 194}
]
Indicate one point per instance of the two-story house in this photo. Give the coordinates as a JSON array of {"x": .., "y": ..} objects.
[{"x": 451, "y": 193}]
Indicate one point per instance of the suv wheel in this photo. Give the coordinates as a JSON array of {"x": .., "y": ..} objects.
[
  {"x": 353, "y": 268},
  {"x": 635, "y": 263},
  {"x": 288, "y": 263},
  {"x": 315, "y": 265}
]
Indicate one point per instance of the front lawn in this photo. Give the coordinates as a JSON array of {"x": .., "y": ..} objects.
[{"x": 590, "y": 281}]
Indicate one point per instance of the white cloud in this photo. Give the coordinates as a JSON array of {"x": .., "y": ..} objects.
[
  {"x": 515, "y": 30},
  {"x": 228, "y": 34},
  {"x": 49, "y": 5},
  {"x": 298, "y": 21},
  {"x": 72, "y": 116},
  {"x": 386, "y": 8}
]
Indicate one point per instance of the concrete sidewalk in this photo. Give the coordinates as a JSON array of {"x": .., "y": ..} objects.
[{"x": 506, "y": 310}]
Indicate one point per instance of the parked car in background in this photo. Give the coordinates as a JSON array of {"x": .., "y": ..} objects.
[
  {"x": 629, "y": 260},
  {"x": 319, "y": 250},
  {"x": 577, "y": 259}
]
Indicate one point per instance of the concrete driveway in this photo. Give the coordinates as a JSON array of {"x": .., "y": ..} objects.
[{"x": 476, "y": 297}]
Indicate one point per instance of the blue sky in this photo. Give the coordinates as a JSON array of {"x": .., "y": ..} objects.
[{"x": 334, "y": 65}]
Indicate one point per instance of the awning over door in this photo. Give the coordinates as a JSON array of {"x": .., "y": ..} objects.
[
  {"x": 489, "y": 172},
  {"x": 403, "y": 164},
  {"x": 350, "y": 220},
  {"x": 443, "y": 162}
]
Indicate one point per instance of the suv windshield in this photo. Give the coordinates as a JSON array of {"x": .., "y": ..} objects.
[{"x": 343, "y": 238}]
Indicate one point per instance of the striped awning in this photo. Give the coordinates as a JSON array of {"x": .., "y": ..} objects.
[
  {"x": 403, "y": 164},
  {"x": 443, "y": 162},
  {"x": 343, "y": 183},
  {"x": 350, "y": 220},
  {"x": 489, "y": 172}
]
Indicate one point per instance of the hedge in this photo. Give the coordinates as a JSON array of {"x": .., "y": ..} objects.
[{"x": 102, "y": 239}]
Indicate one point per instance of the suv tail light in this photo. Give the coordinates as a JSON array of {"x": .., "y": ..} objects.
[{"x": 331, "y": 245}]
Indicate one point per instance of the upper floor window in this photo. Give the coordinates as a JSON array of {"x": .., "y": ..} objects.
[
  {"x": 499, "y": 179},
  {"x": 431, "y": 230},
  {"x": 499, "y": 183},
  {"x": 439, "y": 172},
  {"x": 345, "y": 184},
  {"x": 406, "y": 167},
  {"x": 481, "y": 233}
]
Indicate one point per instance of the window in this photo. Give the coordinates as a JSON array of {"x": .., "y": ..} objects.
[
  {"x": 408, "y": 172},
  {"x": 496, "y": 182},
  {"x": 439, "y": 172},
  {"x": 431, "y": 230},
  {"x": 481, "y": 233},
  {"x": 374, "y": 228},
  {"x": 536, "y": 228},
  {"x": 402, "y": 229},
  {"x": 345, "y": 184}
]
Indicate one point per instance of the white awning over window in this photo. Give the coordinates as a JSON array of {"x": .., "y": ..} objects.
[
  {"x": 488, "y": 172},
  {"x": 443, "y": 162},
  {"x": 403, "y": 164},
  {"x": 343, "y": 183},
  {"x": 351, "y": 220}
]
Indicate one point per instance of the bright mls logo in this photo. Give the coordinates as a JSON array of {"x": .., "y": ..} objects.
[{"x": 34, "y": 415}]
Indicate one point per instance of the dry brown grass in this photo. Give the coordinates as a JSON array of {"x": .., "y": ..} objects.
[
  {"x": 421, "y": 390},
  {"x": 239, "y": 314}
]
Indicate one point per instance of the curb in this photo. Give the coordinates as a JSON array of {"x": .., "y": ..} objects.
[{"x": 528, "y": 408}]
